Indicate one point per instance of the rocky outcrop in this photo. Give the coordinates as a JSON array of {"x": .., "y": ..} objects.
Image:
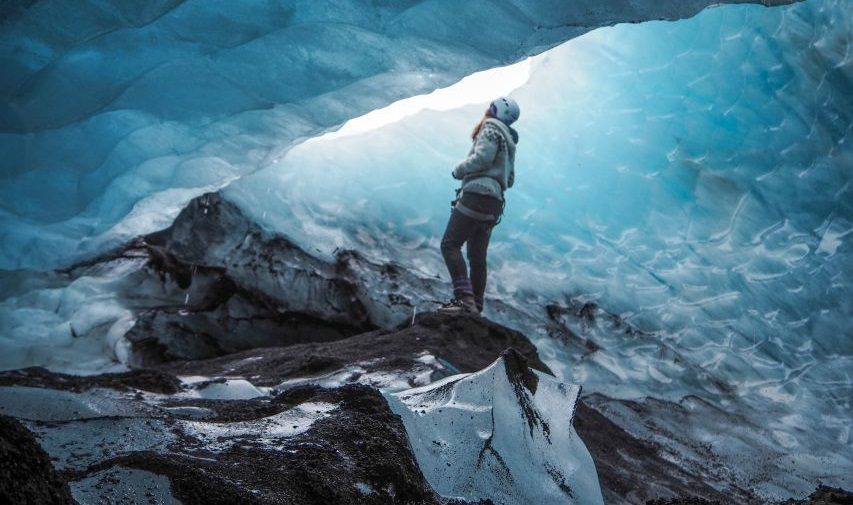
[
  {"x": 301, "y": 424},
  {"x": 235, "y": 286},
  {"x": 148, "y": 380},
  {"x": 357, "y": 453},
  {"x": 26, "y": 474},
  {"x": 214, "y": 283},
  {"x": 431, "y": 343},
  {"x": 120, "y": 435}
]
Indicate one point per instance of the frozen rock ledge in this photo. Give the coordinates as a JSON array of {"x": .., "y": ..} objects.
[{"x": 504, "y": 433}]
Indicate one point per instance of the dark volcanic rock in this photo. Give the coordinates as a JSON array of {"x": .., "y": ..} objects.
[
  {"x": 214, "y": 283},
  {"x": 358, "y": 455},
  {"x": 230, "y": 451},
  {"x": 633, "y": 469},
  {"x": 154, "y": 381},
  {"x": 683, "y": 501},
  {"x": 466, "y": 343},
  {"x": 26, "y": 475},
  {"x": 825, "y": 495},
  {"x": 175, "y": 334},
  {"x": 217, "y": 311},
  {"x": 470, "y": 343}
]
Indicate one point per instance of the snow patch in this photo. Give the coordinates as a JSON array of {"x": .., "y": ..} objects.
[{"x": 268, "y": 432}]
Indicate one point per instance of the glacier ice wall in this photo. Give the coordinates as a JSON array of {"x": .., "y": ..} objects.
[
  {"x": 685, "y": 187},
  {"x": 114, "y": 115},
  {"x": 682, "y": 208}
]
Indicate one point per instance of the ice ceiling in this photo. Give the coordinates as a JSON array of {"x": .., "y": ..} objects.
[{"x": 114, "y": 114}]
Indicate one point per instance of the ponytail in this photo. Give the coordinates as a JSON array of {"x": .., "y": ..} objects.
[{"x": 479, "y": 126}]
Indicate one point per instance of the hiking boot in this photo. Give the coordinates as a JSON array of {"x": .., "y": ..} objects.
[{"x": 457, "y": 306}]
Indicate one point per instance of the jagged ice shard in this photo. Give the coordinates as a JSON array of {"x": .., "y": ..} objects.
[
  {"x": 679, "y": 230},
  {"x": 504, "y": 433}
]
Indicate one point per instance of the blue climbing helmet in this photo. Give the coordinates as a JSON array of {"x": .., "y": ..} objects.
[{"x": 505, "y": 109}]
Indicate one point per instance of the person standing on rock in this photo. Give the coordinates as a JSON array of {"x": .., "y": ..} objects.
[{"x": 486, "y": 173}]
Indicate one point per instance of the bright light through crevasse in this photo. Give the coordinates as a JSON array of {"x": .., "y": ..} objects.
[{"x": 478, "y": 87}]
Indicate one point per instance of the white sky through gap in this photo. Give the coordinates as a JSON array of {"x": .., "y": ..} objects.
[{"x": 479, "y": 87}]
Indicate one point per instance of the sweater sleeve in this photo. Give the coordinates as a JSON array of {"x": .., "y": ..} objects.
[
  {"x": 482, "y": 155},
  {"x": 510, "y": 180}
]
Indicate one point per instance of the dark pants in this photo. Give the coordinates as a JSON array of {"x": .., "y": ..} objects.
[{"x": 463, "y": 229}]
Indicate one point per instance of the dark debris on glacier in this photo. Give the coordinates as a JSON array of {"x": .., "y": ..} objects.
[
  {"x": 26, "y": 473},
  {"x": 354, "y": 451}
]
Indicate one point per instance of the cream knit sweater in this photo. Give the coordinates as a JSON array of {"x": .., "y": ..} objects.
[{"x": 489, "y": 168}]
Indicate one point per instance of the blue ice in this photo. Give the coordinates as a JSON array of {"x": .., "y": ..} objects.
[{"x": 693, "y": 178}]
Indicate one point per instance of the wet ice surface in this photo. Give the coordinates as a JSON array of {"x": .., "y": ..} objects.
[
  {"x": 267, "y": 432},
  {"x": 123, "y": 486},
  {"x": 223, "y": 389},
  {"x": 39, "y": 404},
  {"x": 82, "y": 430},
  {"x": 427, "y": 369},
  {"x": 79, "y": 444}
]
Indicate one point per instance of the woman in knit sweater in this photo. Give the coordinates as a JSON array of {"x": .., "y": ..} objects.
[{"x": 486, "y": 173}]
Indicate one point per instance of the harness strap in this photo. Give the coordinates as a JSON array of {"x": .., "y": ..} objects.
[{"x": 479, "y": 216}]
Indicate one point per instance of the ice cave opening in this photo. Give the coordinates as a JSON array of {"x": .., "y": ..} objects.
[
  {"x": 684, "y": 186},
  {"x": 691, "y": 177}
]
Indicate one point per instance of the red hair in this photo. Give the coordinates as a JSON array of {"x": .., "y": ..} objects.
[{"x": 479, "y": 125}]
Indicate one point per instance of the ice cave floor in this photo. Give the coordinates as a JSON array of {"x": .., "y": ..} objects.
[
  {"x": 302, "y": 391},
  {"x": 293, "y": 424}
]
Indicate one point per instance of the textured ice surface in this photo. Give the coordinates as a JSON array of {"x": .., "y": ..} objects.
[
  {"x": 427, "y": 370},
  {"x": 746, "y": 451},
  {"x": 39, "y": 404},
  {"x": 227, "y": 389},
  {"x": 119, "y": 485},
  {"x": 689, "y": 180},
  {"x": 692, "y": 179},
  {"x": 501, "y": 435},
  {"x": 79, "y": 444},
  {"x": 42, "y": 316},
  {"x": 267, "y": 432},
  {"x": 113, "y": 115}
]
